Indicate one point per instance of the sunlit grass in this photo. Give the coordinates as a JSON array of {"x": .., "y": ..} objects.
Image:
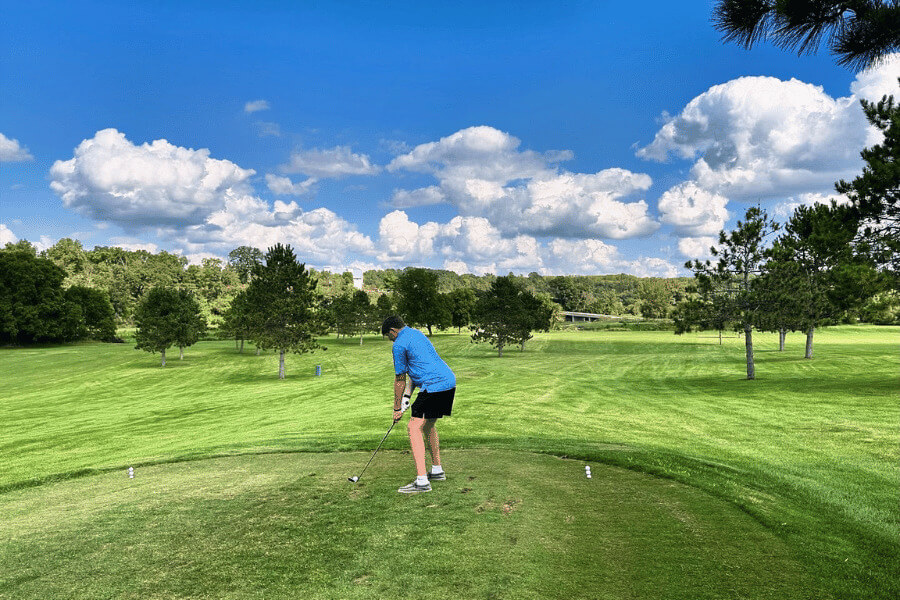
[{"x": 810, "y": 448}]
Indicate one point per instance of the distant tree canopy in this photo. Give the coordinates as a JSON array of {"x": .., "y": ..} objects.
[
  {"x": 428, "y": 298},
  {"x": 243, "y": 260},
  {"x": 35, "y": 308},
  {"x": 353, "y": 314}
]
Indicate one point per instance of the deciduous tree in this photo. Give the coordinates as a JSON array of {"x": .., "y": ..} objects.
[
  {"x": 244, "y": 259},
  {"x": 508, "y": 314},
  {"x": 98, "y": 318},
  {"x": 462, "y": 305},
  {"x": 33, "y": 307},
  {"x": 420, "y": 301},
  {"x": 157, "y": 321}
]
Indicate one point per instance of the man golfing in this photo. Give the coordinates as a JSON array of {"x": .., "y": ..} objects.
[{"x": 414, "y": 355}]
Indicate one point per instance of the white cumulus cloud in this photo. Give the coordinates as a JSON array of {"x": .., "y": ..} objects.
[
  {"x": 426, "y": 196},
  {"x": 697, "y": 247},
  {"x": 12, "y": 151},
  {"x": 474, "y": 245},
  {"x": 111, "y": 179},
  {"x": 284, "y": 185},
  {"x": 482, "y": 173},
  {"x": 6, "y": 236},
  {"x": 785, "y": 209},
  {"x": 201, "y": 205},
  {"x": 469, "y": 241},
  {"x": 693, "y": 211},
  {"x": 760, "y": 137},
  {"x": 336, "y": 162},
  {"x": 878, "y": 81}
]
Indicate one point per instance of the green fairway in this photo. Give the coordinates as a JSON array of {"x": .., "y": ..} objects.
[{"x": 792, "y": 479}]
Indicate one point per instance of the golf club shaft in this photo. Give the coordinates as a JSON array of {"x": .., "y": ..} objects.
[{"x": 376, "y": 450}]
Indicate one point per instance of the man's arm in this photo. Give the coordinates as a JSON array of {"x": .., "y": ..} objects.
[{"x": 402, "y": 388}]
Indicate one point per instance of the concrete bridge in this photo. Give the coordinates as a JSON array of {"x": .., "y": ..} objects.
[{"x": 581, "y": 316}]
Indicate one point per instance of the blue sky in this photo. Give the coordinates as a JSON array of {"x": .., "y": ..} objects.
[{"x": 564, "y": 137}]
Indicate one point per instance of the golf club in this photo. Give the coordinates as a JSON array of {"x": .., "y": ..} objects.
[{"x": 403, "y": 406}]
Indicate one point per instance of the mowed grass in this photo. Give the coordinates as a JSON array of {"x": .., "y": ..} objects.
[
  {"x": 504, "y": 525},
  {"x": 810, "y": 450}
]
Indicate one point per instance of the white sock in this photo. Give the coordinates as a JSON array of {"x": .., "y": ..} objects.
[
  {"x": 421, "y": 479},
  {"x": 436, "y": 469}
]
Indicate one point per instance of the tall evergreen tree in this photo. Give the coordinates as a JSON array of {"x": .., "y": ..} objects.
[
  {"x": 236, "y": 321},
  {"x": 875, "y": 194},
  {"x": 728, "y": 284},
  {"x": 285, "y": 305},
  {"x": 191, "y": 323},
  {"x": 820, "y": 277}
]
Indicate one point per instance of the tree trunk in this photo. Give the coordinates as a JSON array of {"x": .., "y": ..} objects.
[
  {"x": 235, "y": 343},
  {"x": 720, "y": 337},
  {"x": 241, "y": 351},
  {"x": 257, "y": 350},
  {"x": 782, "y": 333},
  {"x": 500, "y": 350},
  {"x": 281, "y": 365},
  {"x": 809, "y": 340},
  {"x": 429, "y": 329},
  {"x": 163, "y": 357},
  {"x": 181, "y": 352},
  {"x": 360, "y": 339},
  {"x": 748, "y": 342}
]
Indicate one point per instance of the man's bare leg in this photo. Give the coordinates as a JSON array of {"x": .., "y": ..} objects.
[
  {"x": 434, "y": 442},
  {"x": 417, "y": 443}
]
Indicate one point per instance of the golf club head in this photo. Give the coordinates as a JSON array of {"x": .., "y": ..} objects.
[{"x": 353, "y": 479}]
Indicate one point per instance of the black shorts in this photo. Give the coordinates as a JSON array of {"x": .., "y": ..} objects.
[{"x": 433, "y": 405}]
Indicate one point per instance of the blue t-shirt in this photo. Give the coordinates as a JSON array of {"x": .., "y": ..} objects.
[{"x": 415, "y": 354}]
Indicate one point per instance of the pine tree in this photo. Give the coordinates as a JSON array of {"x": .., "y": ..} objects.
[
  {"x": 284, "y": 305},
  {"x": 728, "y": 284}
]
